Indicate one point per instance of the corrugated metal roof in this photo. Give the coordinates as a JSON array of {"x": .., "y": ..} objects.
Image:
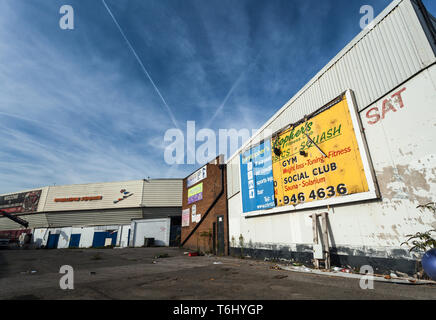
[
  {"x": 94, "y": 217},
  {"x": 35, "y": 221},
  {"x": 382, "y": 56},
  {"x": 162, "y": 193},
  {"x": 376, "y": 61}
]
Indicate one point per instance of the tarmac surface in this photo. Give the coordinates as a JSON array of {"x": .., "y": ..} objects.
[{"x": 136, "y": 273}]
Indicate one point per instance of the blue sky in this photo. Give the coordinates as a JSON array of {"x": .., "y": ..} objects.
[{"x": 76, "y": 106}]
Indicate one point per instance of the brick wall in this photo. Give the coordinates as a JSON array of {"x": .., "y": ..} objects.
[{"x": 202, "y": 238}]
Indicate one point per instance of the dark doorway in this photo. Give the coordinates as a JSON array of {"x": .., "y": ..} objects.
[
  {"x": 175, "y": 231},
  {"x": 99, "y": 239},
  {"x": 53, "y": 240},
  {"x": 214, "y": 237},
  {"x": 74, "y": 241},
  {"x": 220, "y": 234}
]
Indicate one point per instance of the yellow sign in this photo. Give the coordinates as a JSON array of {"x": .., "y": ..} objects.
[{"x": 318, "y": 158}]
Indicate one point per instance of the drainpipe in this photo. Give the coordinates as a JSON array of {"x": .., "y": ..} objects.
[{"x": 221, "y": 166}]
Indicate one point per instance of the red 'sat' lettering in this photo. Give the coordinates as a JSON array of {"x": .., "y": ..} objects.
[{"x": 373, "y": 114}]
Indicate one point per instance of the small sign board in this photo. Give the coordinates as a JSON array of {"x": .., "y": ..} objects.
[
  {"x": 196, "y": 177},
  {"x": 185, "y": 218}
]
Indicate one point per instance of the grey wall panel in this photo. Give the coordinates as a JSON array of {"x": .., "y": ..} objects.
[
  {"x": 35, "y": 221},
  {"x": 163, "y": 193},
  {"x": 97, "y": 217},
  {"x": 161, "y": 212},
  {"x": 7, "y": 224},
  {"x": 233, "y": 185}
]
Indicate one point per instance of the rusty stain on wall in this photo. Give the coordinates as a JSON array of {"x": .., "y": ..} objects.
[{"x": 403, "y": 182}]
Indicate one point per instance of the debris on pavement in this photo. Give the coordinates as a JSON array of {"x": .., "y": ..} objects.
[
  {"x": 402, "y": 274},
  {"x": 347, "y": 273},
  {"x": 296, "y": 264},
  {"x": 28, "y": 272},
  {"x": 217, "y": 262},
  {"x": 275, "y": 267}
]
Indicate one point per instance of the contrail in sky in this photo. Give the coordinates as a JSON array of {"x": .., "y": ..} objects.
[
  {"x": 142, "y": 66},
  {"x": 235, "y": 84}
]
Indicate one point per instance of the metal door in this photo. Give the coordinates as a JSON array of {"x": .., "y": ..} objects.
[
  {"x": 99, "y": 239},
  {"x": 214, "y": 238},
  {"x": 220, "y": 234},
  {"x": 53, "y": 240},
  {"x": 74, "y": 241}
]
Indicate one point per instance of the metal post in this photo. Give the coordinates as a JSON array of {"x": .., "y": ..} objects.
[
  {"x": 315, "y": 236},
  {"x": 325, "y": 237}
]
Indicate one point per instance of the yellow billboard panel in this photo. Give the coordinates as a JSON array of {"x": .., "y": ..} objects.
[{"x": 319, "y": 158}]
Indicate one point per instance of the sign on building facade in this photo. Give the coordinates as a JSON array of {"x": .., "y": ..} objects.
[
  {"x": 195, "y": 193},
  {"x": 185, "y": 217},
  {"x": 197, "y": 176},
  {"x": 319, "y": 160},
  {"x": 24, "y": 202},
  {"x": 257, "y": 183}
]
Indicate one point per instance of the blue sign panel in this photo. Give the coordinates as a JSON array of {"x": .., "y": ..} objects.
[{"x": 257, "y": 183}]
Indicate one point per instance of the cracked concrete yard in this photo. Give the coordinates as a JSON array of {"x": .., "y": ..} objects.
[{"x": 136, "y": 274}]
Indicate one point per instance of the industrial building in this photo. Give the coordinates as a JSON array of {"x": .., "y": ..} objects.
[
  {"x": 204, "y": 215},
  {"x": 97, "y": 214},
  {"x": 336, "y": 176}
]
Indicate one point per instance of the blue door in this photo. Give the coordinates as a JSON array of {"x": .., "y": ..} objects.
[
  {"x": 100, "y": 238},
  {"x": 52, "y": 242},
  {"x": 74, "y": 241}
]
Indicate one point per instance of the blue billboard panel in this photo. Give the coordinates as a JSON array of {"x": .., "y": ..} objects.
[{"x": 257, "y": 183}]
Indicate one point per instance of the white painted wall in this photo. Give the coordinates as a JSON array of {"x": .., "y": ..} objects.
[
  {"x": 123, "y": 234},
  {"x": 40, "y": 235},
  {"x": 109, "y": 191},
  {"x": 64, "y": 237},
  {"x": 159, "y": 229},
  {"x": 87, "y": 235},
  {"x": 403, "y": 151}
]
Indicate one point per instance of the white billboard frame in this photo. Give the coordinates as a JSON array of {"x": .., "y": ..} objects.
[{"x": 371, "y": 194}]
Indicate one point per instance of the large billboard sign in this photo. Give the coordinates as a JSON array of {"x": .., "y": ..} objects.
[
  {"x": 24, "y": 202},
  {"x": 320, "y": 160},
  {"x": 257, "y": 183}
]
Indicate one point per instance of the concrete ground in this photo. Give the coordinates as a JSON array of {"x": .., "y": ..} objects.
[{"x": 135, "y": 273}]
